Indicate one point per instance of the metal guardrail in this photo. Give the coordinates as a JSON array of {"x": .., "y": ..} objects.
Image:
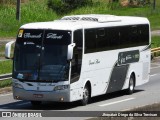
[
  {"x": 155, "y": 50},
  {"x": 5, "y": 76}
]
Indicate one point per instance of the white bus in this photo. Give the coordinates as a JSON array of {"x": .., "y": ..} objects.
[{"x": 79, "y": 57}]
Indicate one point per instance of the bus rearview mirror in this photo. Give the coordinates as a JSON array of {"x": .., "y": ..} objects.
[
  {"x": 70, "y": 51},
  {"x": 8, "y": 50}
]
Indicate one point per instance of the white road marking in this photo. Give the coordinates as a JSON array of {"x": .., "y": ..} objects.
[
  {"x": 6, "y": 94},
  {"x": 153, "y": 75},
  {"x": 116, "y": 102},
  {"x": 128, "y": 109}
]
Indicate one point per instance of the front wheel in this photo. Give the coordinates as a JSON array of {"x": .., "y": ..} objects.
[
  {"x": 86, "y": 95},
  {"x": 131, "y": 87}
]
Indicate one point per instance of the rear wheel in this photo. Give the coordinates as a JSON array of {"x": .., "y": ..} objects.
[
  {"x": 86, "y": 96},
  {"x": 36, "y": 103},
  {"x": 131, "y": 87}
]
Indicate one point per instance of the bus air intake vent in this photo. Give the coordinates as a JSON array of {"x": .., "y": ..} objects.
[
  {"x": 89, "y": 19},
  {"x": 93, "y": 18},
  {"x": 70, "y": 18}
]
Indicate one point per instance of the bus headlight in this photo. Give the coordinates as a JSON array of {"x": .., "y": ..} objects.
[
  {"x": 17, "y": 85},
  {"x": 61, "y": 87}
]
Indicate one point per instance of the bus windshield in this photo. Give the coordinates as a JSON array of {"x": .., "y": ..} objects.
[{"x": 41, "y": 55}]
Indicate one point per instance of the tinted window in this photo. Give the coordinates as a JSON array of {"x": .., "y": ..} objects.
[
  {"x": 90, "y": 40},
  {"x": 78, "y": 38},
  {"x": 110, "y": 38},
  {"x": 144, "y": 34},
  {"x": 77, "y": 56},
  {"x": 102, "y": 42},
  {"x": 41, "y": 55},
  {"x": 113, "y": 37}
]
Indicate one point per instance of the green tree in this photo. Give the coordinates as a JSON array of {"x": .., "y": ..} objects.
[{"x": 65, "y": 6}]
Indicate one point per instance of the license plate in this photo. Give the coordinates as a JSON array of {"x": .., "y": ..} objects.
[{"x": 38, "y": 95}]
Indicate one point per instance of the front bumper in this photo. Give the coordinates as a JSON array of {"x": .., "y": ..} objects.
[{"x": 57, "y": 96}]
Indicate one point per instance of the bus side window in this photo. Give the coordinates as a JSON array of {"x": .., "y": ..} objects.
[
  {"x": 78, "y": 38},
  {"x": 125, "y": 41},
  {"x": 134, "y": 36},
  {"x": 101, "y": 41},
  {"x": 144, "y": 34},
  {"x": 101, "y": 32},
  {"x": 113, "y": 37},
  {"x": 77, "y": 56},
  {"x": 90, "y": 40}
]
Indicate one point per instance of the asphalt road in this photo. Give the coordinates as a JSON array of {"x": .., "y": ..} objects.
[{"x": 144, "y": 95}]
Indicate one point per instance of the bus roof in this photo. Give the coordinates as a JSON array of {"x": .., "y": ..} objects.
[{"x": 74, "y": 22}]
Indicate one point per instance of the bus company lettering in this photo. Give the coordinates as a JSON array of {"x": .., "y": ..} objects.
[
  {"x": 28, "y": 35},
  {"x": 54, "y": 36},
  {"x": 93, "y": 62}
]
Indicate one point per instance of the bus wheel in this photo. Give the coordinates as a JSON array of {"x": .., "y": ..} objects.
[
  {"x": 36, "y": 103},
  {"x": 130, "y": 89},
  {"x": 86, "y": 95}
]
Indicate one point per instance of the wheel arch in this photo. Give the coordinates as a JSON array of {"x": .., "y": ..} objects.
[
  {"x": 88, "y": 83},
  {"x": 134, "y": 76}
]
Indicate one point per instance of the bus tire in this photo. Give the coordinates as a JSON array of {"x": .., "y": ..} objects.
[
  {"x": 86, "y": 96},
  {"x": 131, "y": 87},
  {"x": 36, "y": 103}
]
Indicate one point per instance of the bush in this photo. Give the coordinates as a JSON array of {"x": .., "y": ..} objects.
[
  {"x": 65, "y": 6},
  {"x": 114, "y": 6},
  {"x": 139, "y": 2}
]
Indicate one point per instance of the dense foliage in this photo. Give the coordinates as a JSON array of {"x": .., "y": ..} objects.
[{"x": 65, "y": 6}]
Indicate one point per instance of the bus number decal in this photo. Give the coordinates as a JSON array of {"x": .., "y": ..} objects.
[{"x": 128, "y": 57}]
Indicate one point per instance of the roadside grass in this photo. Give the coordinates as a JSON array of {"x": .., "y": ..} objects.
[
  {"x": 155, "y": 42},
  {"x": 5, "y": 83},
  {"x": 5, "y": 66},
  {"x": 37, "y": 11},
  {"x": 31, "y": 11},
  {"x": 2, "y": 48}
]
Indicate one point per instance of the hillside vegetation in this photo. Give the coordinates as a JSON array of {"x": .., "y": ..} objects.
[{"x": 38, "y": 10}]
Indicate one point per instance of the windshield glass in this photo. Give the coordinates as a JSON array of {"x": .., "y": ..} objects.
[{"x": 41, "y": 55}]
